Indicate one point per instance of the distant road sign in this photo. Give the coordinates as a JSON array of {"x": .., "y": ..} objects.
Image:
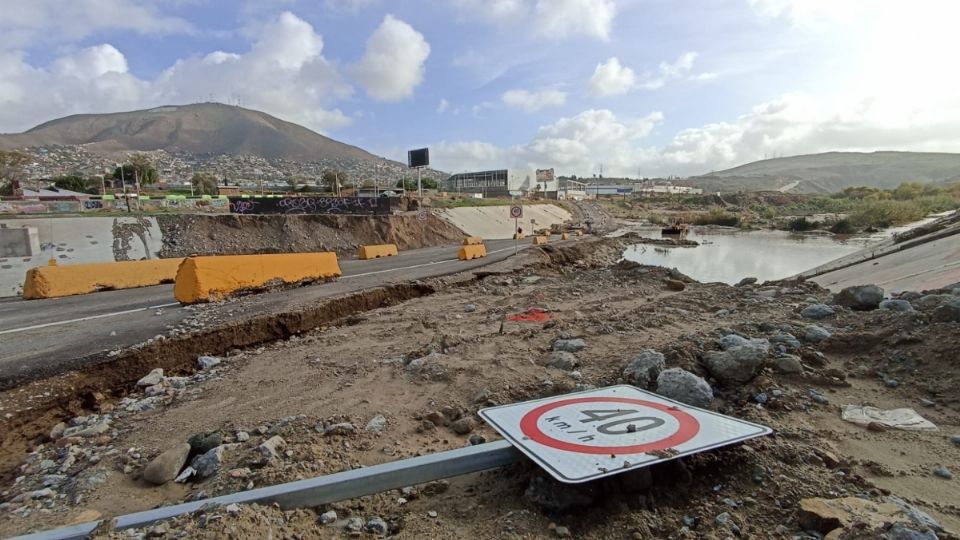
[
  {"x": 588, "y": 435},
  {"x": 423, "y": 215},
  {"x": 516, "y": 212}
]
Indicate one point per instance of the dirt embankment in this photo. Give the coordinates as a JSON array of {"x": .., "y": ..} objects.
[
  {"x": 190, "y": 234},
  {"x": 409, "y": 378}
]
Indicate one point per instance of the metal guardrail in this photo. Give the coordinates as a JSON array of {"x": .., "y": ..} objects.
[{"x": 324, "y": 489}]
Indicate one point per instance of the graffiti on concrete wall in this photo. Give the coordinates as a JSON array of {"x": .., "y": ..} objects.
[{"x": 310, "y": 205}]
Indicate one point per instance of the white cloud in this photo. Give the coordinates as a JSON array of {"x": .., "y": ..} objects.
[
  {"x": 284, "y": 73},
  {"x": 53, "y": 21},
  {"x": 443, "y": 106},
  {"x": 668, "y": 72},
  {"x": 496, "y": 11},
  {"x": 393, "y": 64},
  {"x": 349, "y": 6},
  {"x": 562, "y": 18},
  {"x": 533, "y": 101},
  {"x": 611, "y": 79}
]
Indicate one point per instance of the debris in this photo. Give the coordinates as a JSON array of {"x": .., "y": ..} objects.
[
  {"x": 860, "y": 297},
  {"x": 376, "y": 525},
  {"x": 942, "y": 472},
  {"x": 788, "y": 364},
  {"x": 207, "y": 362},
  {"x": 464, "y": 425},
  {"x": 904, "y": 419},
  {"x": 167, "y": 465},
  {"x": 469, "y": 308},
  {"x": 376, "y": 424},
  {"x": 896, "y": 305},
  {"x": 738, "y": 365},
  {"x": 730, "y": 341},
  {"x": 675, "y": 285},
  {"x": 564, "y": 360},
  {"x": 817, "y": 311},
  {"x": 533, "y": 315},
  {"x": 343, "y": 428},
  {"x": 825, "y": 515},
  {"x": 685, "y": 387},
  {"x": 746, "y": 281},
  {"x": 327, "y": 517},
  {"x": 207, "y": 464},
  {"x": 815, "y": 334},
  {"x": 569, "y": 345},
  {"x": 644, "y": 369},
  {"x": 948, "y": 312},
  {"x": 271, "y": 447}
]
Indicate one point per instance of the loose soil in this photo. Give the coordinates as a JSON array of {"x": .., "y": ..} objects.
[{"x": 353, "y": 368}]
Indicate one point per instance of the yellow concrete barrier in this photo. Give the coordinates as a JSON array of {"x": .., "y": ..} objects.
[
  {"x": 538, "y": 240},
  {"x": 472, "y": 252},
  {"x": 564, "y": 236},
  {"x": 472, "y": 241},
  {"x": 202, "y": 279},
  {"x": 579, "y": 233},
  {"x": 377, "y": 251},
  {"x": 519, "y": 236},
  {"x": 71, "y": 279}
]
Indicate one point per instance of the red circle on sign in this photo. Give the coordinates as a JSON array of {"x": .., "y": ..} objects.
[{"x": 689, "y": 427}]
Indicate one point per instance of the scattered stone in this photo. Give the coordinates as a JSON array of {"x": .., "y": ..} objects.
[
  {"x": 738, "y": 365},
  {"x": 152, "y": 378},
  {"x": 644, "y": 369},
  {"x": 948, "y": 312},
  {"x": 355, "y": 524},
  {"x": 931, "y": 301},
  {"x": 201, "y": 443},
  {"x": 569, "y": 345},
  {"x": 469, "y": 308},
  {"x": 464, "y": 425},
  {"x": 57, "y": 431},
  {"x": 815, "y": 334},
  {"x": 825, "y": 515},
  {"x": 675, "y": 285},
  {"x": 158, "y": 531},
  {"x": 328, "y": 517},
  {"x": 432, "y": 514},
  {"x": 785, "y": 340},
  {"x": 788, "y": 364},
  {"x": 818, "y": 397},
  {"x": 726, "y": 520},
  {"x": 860, "y": 297},
  {"x": 233, "y": 509},
  {"x": 817, "y": 311},
  {"x": 44, "y": 493},
  {"x": 899, "y": 531},
  {"x": 476, "y": 439},
  {"x": 562, "y": 532},
  {"x": 208, "y": 464},
  {"x": 167, "y": 465},
  {"x": 376, "y": 424},
  {"x": 271, "y": 447},
  {"x": 942, "y": 472},
  {"x": 955, "y": 440},
  {"x": 207, "y": 362},
  {"x": 98, "y": 428},
  {"x": 564, "y": 360},
  {"x": 376, "y": 525},
  {"x": 746, "y": 281},
  {"x": 343, "y": 428},
  {"x": 896, "y": 305},
  {"x": 730, "y": 341},
  {"x": 437, "y": 418},
  {"x": 685, "y": 387},
  {"x": 243, "y": 436}
]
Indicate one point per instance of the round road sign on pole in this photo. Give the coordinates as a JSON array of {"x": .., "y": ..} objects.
[
  {"x": 516, "y": 212},
  {"x": 588, "y": 435}
]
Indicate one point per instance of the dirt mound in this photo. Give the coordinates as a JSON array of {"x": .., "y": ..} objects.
[{"x": 190, "y": 234}]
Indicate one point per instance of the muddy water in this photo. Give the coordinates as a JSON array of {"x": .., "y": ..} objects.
[{"x": 728, "y": 256}]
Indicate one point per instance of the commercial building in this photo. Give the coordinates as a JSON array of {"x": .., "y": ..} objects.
[{"x": 503, "y": 183}]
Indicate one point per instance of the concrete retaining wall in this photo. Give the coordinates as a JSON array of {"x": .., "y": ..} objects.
[{"x": 79, "y": 240}]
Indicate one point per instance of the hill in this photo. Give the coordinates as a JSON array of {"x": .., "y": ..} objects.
[
  {"x": 204, "y": 128},
  {"x": 832, "y": 171}
]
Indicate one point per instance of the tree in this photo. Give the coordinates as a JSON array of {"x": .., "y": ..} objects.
[
  {"x": 293, "y": 182},
  {"x": 73, "y": 182},
  {"x": 11, "y": 169},
  {"x": 334, "y": 179},
  {"x": 204, "y": 183},
  {"x": 140, "y": 167},
  {"x": 429, "y": 183}
]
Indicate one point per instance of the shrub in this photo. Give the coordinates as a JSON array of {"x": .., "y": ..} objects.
[
  {"x": 843, "y": 227},
  {"x": 802, "y": 224},
  {"x": 717, "y": 217}
]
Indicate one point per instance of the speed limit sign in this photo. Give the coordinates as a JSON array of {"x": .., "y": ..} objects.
[
  {"x": 516, "y": 212},
  {"x": 588, "y": 435}
]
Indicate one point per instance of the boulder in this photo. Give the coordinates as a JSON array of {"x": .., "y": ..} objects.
[
  {"x": 817, "y": 311},
  {"x": 569, "y": 345},
  {"x": 271, "y": 447},
  {"x": 564, "y": 360},
  {"x": 207, "y": 362},
  {"x": 948, "y": 312},
  {"x": 788, "y": 364},
  {"x": 896, "y": 305},
  {"x": 738, "y": 365},
  {"x": 675, "y": 284},
  {"x": 746, "y": 281},
  {"x": 152, "y": 378},
  {"x": 681, "y": 385},
  {"x": 644, "y": 369},
  {"x": 732, "y": 340},
  {"x": 860, "y": 297},
  {"x": 815, "y": 334},
  {"x": 167, "y": 465},
  {"x": 208, "y": 464}
]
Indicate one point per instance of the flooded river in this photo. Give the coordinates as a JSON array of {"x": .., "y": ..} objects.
[{"x": 729, "y": 255}]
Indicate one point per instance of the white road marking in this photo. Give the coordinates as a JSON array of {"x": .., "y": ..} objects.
[{"x": 82, "y": 319}]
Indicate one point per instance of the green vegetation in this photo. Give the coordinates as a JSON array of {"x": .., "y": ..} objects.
[
  {"x": 801, "y": 224},
  {"x": 411, "y": 184},
  {"x": 140, "y": 169},
  {"x": 204, "y": 183},
  {"x": 77, "y": 183},
  {"x": 11, "y": 169},
  {"x": 843, "y": 227},
  {"x": 717, "y": 216}
]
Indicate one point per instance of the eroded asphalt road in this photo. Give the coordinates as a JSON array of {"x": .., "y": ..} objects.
[{"x": 47, "y": 334}]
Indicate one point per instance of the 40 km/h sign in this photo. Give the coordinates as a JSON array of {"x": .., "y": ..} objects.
[
  {"x": 516, "y": 212},
  {"x": 588, "y": 435}
]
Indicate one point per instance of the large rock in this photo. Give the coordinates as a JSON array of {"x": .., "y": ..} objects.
[
  {"x": 681, "y": 385},
  {"x": 738, "y": 365},
  {"x": 569, "y": 345},
  {"x": 815, "y": 334},
  {"x": 208, "y": 464},
  {"x": 564, "y": 360},
  {"x": 817, "y": 311},
  {"x": 167, "y": 465},
  {"x": 825, "y": 515},
  {"x": 644, "y": 369},
  {"x": 896, "y": 305},
  {"x": 860, "y": 297},
  {"x": 201, "y": 443},
  {"x": 788, "y": 364},
  {"x": 152, "y": 378},
  {"x": 732, "y": 340},
  {"x": 948, "y": 312},
  {"x": 786, "y": 340},
  {"x": 932, "y": 301}
]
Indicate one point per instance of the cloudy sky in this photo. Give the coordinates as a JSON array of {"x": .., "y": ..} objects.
[{"x": 648, "y": 87}]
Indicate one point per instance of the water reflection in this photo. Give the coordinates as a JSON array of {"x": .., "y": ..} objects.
[{"x": 729, "y": 256}]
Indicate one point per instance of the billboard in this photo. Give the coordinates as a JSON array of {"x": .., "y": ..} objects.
[
  {"x": 418, "y": 158},
  {"x": 545, "y": 175}
]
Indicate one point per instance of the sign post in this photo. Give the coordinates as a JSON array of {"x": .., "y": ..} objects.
[
  {"x": 588, "y": 435},
  {"x": 516, "y": 212}
]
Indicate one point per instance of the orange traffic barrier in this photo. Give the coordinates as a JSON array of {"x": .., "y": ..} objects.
[
  {"x": 67, "y": 280},
  {"x": 519, "y": 236},
  {"x": 472, "y": 241},
  {"x": 377, "y": 251},
  {"x": 202, "y": 279},
  {"x": 538, "y": 240},
  {"x": 579, "y": 233},
  {"x": 564, "y": 236},
  {"x": 472, "y": 252}
]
